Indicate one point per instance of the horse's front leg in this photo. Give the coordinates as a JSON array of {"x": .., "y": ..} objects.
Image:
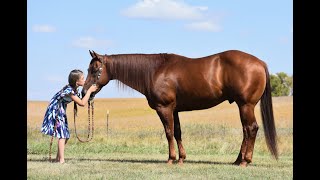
[
  {"x": 166, "y": 116},
  {"x": 177, "y": 135}
]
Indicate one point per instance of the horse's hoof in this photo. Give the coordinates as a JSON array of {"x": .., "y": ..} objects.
[
  {"x": 180, "y": 162},
  {"x": 170, "y": 161},
  {"x": 243, "y": 164},
  {"x": 240, "y": 163}
]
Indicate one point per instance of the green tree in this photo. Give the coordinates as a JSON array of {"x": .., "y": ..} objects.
[{"x": 281, "y": 84}]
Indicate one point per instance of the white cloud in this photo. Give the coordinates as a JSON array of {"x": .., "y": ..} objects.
[
  {"x": 164, "y": 9},
  {"x": 43, "y": 28},
  {"x": 204, "y": 26},
  {"x": 90, "y": 43},
  {"x": 174, "y": 10}
]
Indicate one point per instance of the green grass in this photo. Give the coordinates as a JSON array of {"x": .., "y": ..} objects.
[
  {"x": 143, "y": 155},
  {"x": 136, "y": 147},
  {"x": 152, "y": 166}
]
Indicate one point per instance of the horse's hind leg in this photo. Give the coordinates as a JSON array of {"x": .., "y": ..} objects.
[
  {"x": 166, "y": 116},
  {"x": 177, "y": 135},
  {"x": 250, "y": 129}
]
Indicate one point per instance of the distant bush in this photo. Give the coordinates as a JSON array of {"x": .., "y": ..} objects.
[{"x": 281, "y": 84}]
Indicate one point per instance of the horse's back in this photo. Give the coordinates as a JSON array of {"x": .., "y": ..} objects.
[{"x": 236, "y": 57}]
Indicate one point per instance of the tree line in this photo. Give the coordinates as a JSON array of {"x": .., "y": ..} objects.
[{"x": 281, "y": 84}]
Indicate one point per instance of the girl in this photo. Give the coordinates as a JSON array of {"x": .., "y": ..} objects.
[{"x": 55, "y": 119}]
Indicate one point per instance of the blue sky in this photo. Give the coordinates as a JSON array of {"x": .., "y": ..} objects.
[{"x": 60, "y": 34}]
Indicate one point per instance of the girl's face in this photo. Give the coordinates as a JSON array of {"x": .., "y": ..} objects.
[{"x": 80, "y": 81}]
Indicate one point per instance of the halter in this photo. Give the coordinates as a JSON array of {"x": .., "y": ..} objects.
[
  {"x": 90, "y": 104},
  {"x": 100, "y": 70},
  {"x": 98, "y": 75}
]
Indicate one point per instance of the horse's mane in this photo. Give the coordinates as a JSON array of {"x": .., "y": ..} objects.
[{"x": 136, "y": 70}]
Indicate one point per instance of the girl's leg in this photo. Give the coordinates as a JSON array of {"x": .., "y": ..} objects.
[{"x": 60, "y": 153}]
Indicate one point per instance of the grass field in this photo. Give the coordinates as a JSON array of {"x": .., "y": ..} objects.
[{"x": 135, "y": 147}]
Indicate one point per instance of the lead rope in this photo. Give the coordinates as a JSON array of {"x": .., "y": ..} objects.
[
  {"x": 90, "y": 104},
  {"x": 90, "y": 128}
]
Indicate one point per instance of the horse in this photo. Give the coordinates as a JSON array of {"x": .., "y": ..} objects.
[{"x": 174, "y": 83}]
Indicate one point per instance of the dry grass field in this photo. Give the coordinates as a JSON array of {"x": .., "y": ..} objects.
[
  {"x": 135, "y": 131},
  {"x": 135, "y": 114}
]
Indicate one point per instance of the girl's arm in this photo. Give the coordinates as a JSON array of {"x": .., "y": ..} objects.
[{"x": 84, "y": 100}]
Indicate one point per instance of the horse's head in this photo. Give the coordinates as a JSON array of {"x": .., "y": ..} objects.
[{"x": 97, "y": 73}]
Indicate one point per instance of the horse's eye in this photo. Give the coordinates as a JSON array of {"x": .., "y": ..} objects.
[{"x": 94, "y": 70}]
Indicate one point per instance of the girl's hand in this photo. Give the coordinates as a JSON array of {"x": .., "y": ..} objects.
[{"x": 93, "y": 88}]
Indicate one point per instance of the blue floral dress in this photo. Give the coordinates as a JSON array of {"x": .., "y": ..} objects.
[{"x": 56, "y": 113}]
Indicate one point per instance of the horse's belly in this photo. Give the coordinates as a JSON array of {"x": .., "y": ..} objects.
[{"x": 189, "y": 104}]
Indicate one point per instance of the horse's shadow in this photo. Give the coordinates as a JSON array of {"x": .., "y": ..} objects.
[
  {"x": 142, "y": 161},
  {"x": 152, "y": 161}
]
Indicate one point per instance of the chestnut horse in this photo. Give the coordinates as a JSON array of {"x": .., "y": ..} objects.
[{"x": 173, "y": 83}]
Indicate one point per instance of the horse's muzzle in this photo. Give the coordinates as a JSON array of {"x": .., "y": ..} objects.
[{"x": 84, "y": 92}]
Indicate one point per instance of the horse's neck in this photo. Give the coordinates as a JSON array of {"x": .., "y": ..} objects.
[{"x": 135, "y": 70}]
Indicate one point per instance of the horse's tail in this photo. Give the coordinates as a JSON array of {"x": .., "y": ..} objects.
[{"x": 268, "y": 119}]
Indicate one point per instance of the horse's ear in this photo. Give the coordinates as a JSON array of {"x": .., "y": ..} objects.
[{"x": 92, "y": 54}]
